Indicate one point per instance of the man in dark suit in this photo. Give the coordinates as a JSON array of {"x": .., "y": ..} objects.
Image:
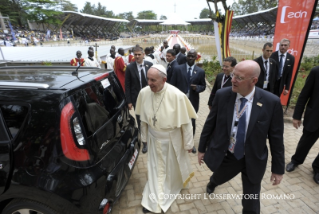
[
  {"x": 180, "y": 58},
  {"x": 268, "y": 69},
  {"x": 135, "y": 80},
  {"x": 172, "y": 63},
  {"x": 183, "y": 50},
  {"x": 223, "y": 79},
  {"x": 235, "y": 133},
  {"x": 190, "y": 79},
  {"x": 310, "y": 96},
  {"x": 285, "y": 62}
]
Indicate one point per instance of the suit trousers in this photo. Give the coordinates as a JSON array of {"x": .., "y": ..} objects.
[
  {"x": 194, "y": 126},
  {"x": 306, "y": 141},
  {"x": 277, "y": 86},
  {"x": 228, "y": 169}
]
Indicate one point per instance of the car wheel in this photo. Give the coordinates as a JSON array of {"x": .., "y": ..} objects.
[{"x": 21, "y": 206}]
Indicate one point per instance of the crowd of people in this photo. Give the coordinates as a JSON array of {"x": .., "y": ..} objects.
[{"x": 163, "y": 87}]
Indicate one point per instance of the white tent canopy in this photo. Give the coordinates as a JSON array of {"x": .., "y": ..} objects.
[{"x": 174, "y": 19}]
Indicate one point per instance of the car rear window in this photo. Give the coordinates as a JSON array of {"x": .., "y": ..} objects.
[
  {"x": 98, "y": 103},
  {"x": 14, "y": 116}
]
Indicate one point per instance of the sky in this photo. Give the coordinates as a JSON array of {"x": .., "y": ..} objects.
[{"x": 186, "y": 9}]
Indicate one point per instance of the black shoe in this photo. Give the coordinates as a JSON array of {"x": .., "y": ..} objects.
[
  {"x": 145, "y": 210},
  {"x": 210, "y": 187},
  {"x": 144, "y": 150},
  {"x": 291, "y": 167},
  {"x": 316, "y": 177},
  {"x": 194, "y": 150}
]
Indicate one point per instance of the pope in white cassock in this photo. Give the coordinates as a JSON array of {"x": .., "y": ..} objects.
[{"x": 166, "y": 126}]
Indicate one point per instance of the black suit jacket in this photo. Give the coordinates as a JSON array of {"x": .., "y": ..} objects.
[
  {"x": 286, "y": 70},
  {"x": 179, "y": 80},
  {"x": 218, "y": 85},
  {"x": 170, "y": 69},
  {"x": 132, "y": 81},
  {"x": 309, "y": 95},
  {"x": 266, "y": 118},
  {"x": 273, "y": 73},
  {"x": 181, "y": 59}
]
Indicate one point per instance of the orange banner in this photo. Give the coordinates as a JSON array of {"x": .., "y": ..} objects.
[{"x": 293, "y": 22}]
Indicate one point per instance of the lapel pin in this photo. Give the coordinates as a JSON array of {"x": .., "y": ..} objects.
[
  {"x": 146, "y": 65},
  {"x": 287, "y": 59},
  {"x": 259, "y": 104},
  {"x": 194, "y": 72}
]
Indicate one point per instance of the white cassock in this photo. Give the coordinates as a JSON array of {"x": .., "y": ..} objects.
[
  {"x": 157, "y": 57},
  {"x": 163, "y": 55},
  {"x": 110, "y": 62},
  {"x": 92, "y": 63},
  {"x": 168, "y": 164},
  {"x": 149, "y": 59}
]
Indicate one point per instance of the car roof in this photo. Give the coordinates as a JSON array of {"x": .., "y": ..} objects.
[{"x": 47, "y": 77}]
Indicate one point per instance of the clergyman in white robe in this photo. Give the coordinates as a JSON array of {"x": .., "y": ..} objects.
[
  {"x": 92, "y": 62},
  {"x": 169, "y": 138}
]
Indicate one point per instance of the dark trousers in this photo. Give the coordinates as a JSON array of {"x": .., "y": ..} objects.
[
  {"x": 228, "y": 169},
  {"x": 306, "y": 141},
  {"x": 194, "y": 126},
  {"x": 277, "y": 85}
]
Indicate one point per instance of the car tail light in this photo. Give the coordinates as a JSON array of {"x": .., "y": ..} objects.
[
  {"x": 106, "y": 208},
  {"x": 105, "y": 205},
  {"x": 69, "y": 147}
]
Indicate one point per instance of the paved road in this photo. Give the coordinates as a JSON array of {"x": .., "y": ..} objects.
[{"x": 301, "y": 192}]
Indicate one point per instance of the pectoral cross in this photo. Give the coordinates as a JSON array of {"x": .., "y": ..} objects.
[{"x": 154, "y": 120}]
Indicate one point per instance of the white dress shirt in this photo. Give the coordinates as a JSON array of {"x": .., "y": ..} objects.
[{"x": 249, "y": 102}]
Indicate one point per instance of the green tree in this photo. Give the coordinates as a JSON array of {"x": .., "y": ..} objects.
[
  {"x": 163, "y": 17},
  {"x": 147, "y": 14},
  {"x": 204, "y": 14},
  {"x": 68, "y": 6},
  {"x": 128, "y": 16},
  {"x": 109, "y": 14},
  {"x": 100, "y": 10},
  {"x": 15, "y": 11},
  {"x": 42, "y": 11},
  {"x": 243, "y": 7},
  {"x": 88, "y": 8}
]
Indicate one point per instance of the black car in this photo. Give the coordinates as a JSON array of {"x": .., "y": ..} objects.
[{"x": 67, "y": 141}]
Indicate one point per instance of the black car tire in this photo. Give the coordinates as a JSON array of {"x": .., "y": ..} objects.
[{"x": 17, "y": 206}]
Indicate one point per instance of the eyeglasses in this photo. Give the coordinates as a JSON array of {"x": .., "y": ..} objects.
[{"x": 238, "y": 78}]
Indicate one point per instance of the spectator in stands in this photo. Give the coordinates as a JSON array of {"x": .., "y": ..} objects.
[{"x": 268, "y": 69}]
